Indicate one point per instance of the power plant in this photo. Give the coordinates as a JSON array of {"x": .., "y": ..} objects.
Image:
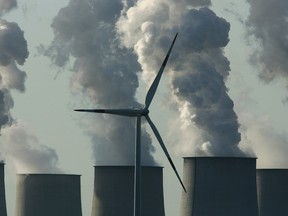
[
  {"x": 272, "y": 187},
  {"x": 226, "y": 186},
  {"x": 114, "y": 191},
  {"x": 223, "y": 186},
  {"x": 48, "y": 195},
  {"x": 3, "y": 210}
]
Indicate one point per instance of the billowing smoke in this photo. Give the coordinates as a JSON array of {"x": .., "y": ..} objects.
[
  {"x": 17, "y": 143},
  {"x": 267, "y": 26},
  {"x": 198, "y": 68},
  {"x": 259, "y": 134},
  {"x": 13, "y": 51},
  {"x": 268, "y": 23},
  {"x": 7, "y": 5},
  {"x": 103, "y": 71},
  {"x": 25, "y": 151}
]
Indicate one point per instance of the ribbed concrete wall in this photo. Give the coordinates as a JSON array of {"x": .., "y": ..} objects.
[
  {"x": 272, "y": 186},
  {"x": 3, "y": 210},
  {"x": 219, "y": 186},
  {"x": 48, "y": 195},
  {"x": 114, "y": 191}
]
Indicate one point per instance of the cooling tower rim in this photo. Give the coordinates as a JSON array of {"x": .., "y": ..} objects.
[
  {"x": 126, "y": 166},
  {"x": 219, "y": 157},
  {"x": 46, "y": 174},
  {"x": 272, "y": 169}
]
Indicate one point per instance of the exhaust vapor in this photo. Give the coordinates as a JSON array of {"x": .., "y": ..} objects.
[
  {"x": 17, "y": 143},
  {"x": 7, "y": 5},
  {"x": 109, "y": 42},
  {"x": 198, "y": 68},
  {"x": 266, "y": 26},
  {"x": 13, "y": 51},
  {"x": 267, "y": 23},
  {"x": 104, "y": 71},
  {"x": 28, "y": 155}
]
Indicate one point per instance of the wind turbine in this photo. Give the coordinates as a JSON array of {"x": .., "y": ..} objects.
[{"x": 138, "y": 113}]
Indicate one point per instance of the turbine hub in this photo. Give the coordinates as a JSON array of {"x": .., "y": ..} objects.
[{"x": 145, "y": 112}]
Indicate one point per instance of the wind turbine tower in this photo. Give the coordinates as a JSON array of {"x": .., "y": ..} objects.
[{"x": 138, "y": 113}]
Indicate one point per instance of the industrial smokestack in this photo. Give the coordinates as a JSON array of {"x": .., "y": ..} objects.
[
  {"x": 223, "y": 186},
  {"x": 48, "y": 195},
  {"x": 3, "y": 210},
  {"x": 272, "y": 189},
  {"x": 114, "y": 191}
]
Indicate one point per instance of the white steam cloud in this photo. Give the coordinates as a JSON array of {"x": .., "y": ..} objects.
[
  {"x": 13, "y": 51},
  {"x": 7, "y": 5},
  {"x": 104, "y": 71},
  {"x": 268, "y": 23},
  {"x": 29, "y": 156},
  {"x": 270, "y": 145},
  {"x": 17, "y": 144},
  {"x": 198, "y": 68},
  {"x": 100, "y": 36},
  {"x": 105, "y": 39}
]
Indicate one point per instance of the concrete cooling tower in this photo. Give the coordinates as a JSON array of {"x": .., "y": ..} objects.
[
  {"x": 272, "y": 186},
  {"x": 219, "y": 186},
  {"x": 48, "y": 195},
  {"x": 114, "y": 191},
  {"x": 3, "y": 210}
]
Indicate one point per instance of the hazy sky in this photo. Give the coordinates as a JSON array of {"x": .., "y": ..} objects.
[{"x": 48, "y": 133}]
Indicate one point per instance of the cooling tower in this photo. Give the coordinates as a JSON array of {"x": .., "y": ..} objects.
[
  {"x": 48, "y": 195},
  {"x": 219, "y": 186},
  {"x": 272, "y": 186},
  {"x": 114, "y": 191},
  {"x": 3, "y": 210}
]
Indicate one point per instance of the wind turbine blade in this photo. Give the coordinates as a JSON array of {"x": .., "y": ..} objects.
[
  {"x": 157, "y": 134},
  {"x": 120, "y": 112},
  {"x": 153, "y": 87}
]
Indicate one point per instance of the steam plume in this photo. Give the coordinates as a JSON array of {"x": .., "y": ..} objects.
[
  {"x": 268, "y": 25},
  {"x": 7, "y": 5},
  {"x": 267, "y": 22},
  {"x": 13, "y": 50},
  {"x": 104, "y": 71},
  {"x": 28, "y": 155},
  {"x": 259, "y": 134},
  {"x": 17, "y": 144},
  {"x": 199, "y": 68}
]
